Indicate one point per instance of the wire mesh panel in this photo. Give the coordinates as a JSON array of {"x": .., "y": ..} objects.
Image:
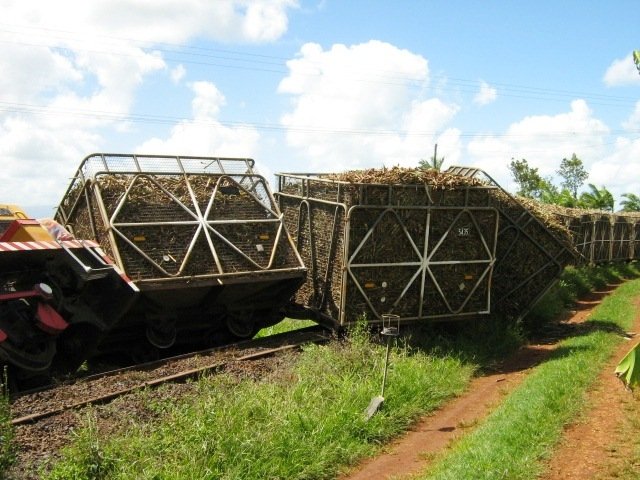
[
  {"x": 532, "y": 250},
  {"x": 602, "y": 238},
  {"x": 424, "y": 262},
  {"x": 586, "y": 241},
  {"x": 377, "y": 248},
  {"x": 421, "y": 245},
  {"x": 622, "y": 241},
  {"x": 635, "y": 255},
  {"x": 165, "y": 217}
]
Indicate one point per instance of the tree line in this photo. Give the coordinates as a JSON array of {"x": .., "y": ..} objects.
[{"x": 573, "y": 174}]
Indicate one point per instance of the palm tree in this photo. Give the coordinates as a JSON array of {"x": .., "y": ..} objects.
[
  {"x": 631, "y": 202},
  {"x": 434, "y": 163},
  {"x": 564, "y": 197},
  {"x": 597, "y": 198}
]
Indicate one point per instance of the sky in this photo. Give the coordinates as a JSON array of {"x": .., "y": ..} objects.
[{"x": 318, "y": 86}]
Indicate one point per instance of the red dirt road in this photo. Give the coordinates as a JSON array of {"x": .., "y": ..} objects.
[
  {"x": 593, "y": 444},
  {"x": 413, "y": 452}
]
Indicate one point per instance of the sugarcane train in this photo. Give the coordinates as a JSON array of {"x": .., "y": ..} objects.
[{"x": 148, "y": 256}]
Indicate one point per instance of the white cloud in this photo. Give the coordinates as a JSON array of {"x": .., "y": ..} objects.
[
  {"x": 622, "y": 72},
  {"x": 633, "y": 122},
  {"x": 38, "y": 158},
  {"x": 357, "y": 106},
  {"x": 154, "y": 21},
  {"x": 71, "y": 72},
  {"x": 204, "y": 134},
  {"x": 486, "y": 95},
  {"x": 543, "y": 140},
  {"x": 178, "y": 73},
  {"x": 619, "y": 171}
]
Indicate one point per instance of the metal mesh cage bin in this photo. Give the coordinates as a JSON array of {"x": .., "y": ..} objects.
[
  {"x": 635, "y": 235},
  {"x": 622, "y": 242},
  {"x": 597, "y": 242},
  {"x": 569, "y": 219},
  {"x": 419, "y": 244},
  {"x": 201, "y": 237}
]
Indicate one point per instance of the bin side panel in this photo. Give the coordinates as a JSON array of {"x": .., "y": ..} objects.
[{"x": 419, "y": 262}]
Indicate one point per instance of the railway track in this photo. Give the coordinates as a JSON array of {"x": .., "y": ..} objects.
[{"x": 31, "y": 407}]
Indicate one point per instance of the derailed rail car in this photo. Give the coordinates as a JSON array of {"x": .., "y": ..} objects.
[
  {"x": 58, "y": 296},
  {"x": 201, "y": 237},
  {"x": 419, "y": 244}
]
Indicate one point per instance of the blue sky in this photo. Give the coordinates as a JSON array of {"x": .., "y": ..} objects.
[{"x": 318, "y": 85}]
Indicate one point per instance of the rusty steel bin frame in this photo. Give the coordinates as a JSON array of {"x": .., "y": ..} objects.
[
  {"x": 199, "y": 236},
  {"x": 345, "y": 272},
  {"x": 325, "y": 216}
]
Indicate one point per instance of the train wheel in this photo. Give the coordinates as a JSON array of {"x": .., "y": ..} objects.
[
  {"x": 242, "y": 324},
  {"x": 162, "y": 335},
  {"x": 34, "y": 357},
  {"x": 25, "y": 346}
]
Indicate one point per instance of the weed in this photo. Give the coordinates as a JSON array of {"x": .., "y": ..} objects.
[
  {"x": 285, "y": 325},
  {"x": 91, "y": 459},
  {"x": 7, "y": 445}
]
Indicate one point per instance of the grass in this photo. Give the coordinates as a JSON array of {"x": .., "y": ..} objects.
[
  {"x": 7, "y": 446},
  {"x": 575, "y": 283},
  {"x": 304, "y": 421},
  {"x": 516, "y": 438},
  {"x": 286, "y": 325}
]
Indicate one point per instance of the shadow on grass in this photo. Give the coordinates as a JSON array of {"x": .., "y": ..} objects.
[
  {"x": 493, "y": 344},
  {"x": 533, "y": 355},
  {"x": 495, "y": 350},
  {"x": 595, "y": 297},
  {"x": 556, "y": 332}
]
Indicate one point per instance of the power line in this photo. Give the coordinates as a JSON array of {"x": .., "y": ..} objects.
[
  {"x": 224, "y": 58},
  {"x": 44, "y": 110}
]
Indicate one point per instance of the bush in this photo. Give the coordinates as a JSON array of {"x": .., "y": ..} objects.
[{"x": 575, "y": 283}]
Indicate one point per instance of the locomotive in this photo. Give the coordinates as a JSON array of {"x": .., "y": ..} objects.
[{"x": 54, "y": 290}]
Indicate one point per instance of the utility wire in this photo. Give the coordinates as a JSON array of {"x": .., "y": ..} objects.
[{"x": 186, "y": 54}]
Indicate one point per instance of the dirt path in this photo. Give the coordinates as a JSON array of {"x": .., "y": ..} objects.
[
  {"x": 593, "y": 445},
  {"x": 413, "y": 452}
]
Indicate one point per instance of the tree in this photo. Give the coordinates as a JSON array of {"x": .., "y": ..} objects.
[
  {"x": 530, "y": 183},
  {"x": 434, "y": 163},
  {"x": 636, "y": 59},
  {"x": 631, "y": 202},
  {"x": 597, "y": 198},
  {"x": 563, "y": 197},
  {"x": 573, "y": 173}
]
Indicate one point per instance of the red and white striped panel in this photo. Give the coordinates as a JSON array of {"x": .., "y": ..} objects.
[
  {"x": 123, "y": 275},
  {"x": 52, "y": 245},
  {"x": 25, "y": 246}
]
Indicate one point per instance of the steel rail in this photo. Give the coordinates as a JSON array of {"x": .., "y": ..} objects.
[{"x": 309, "y": 335}]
